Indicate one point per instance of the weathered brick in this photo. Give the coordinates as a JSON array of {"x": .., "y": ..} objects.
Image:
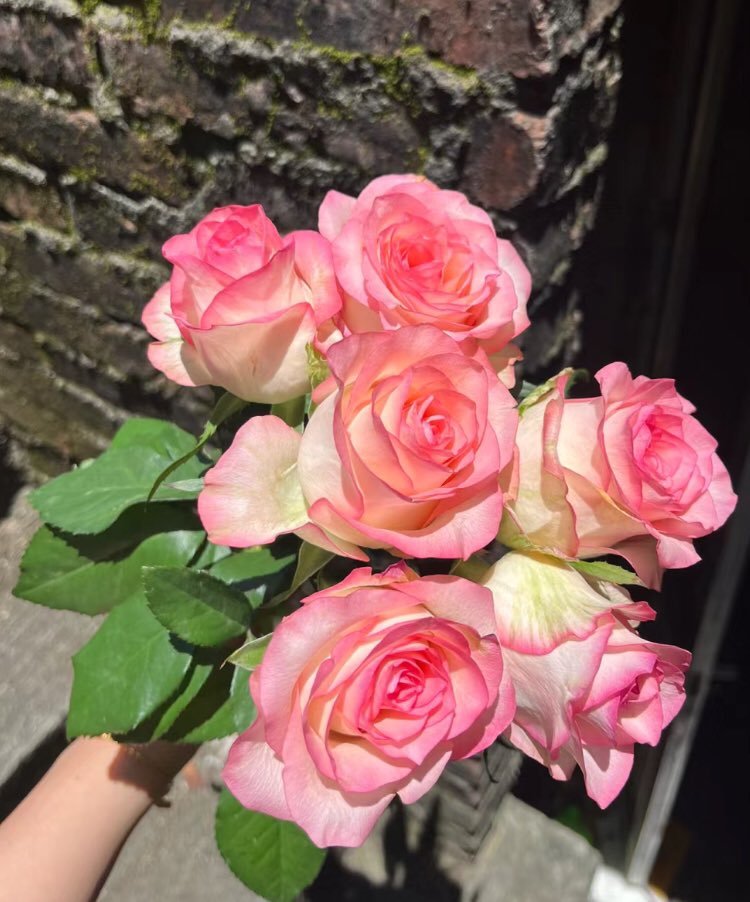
[
  {"x": 45, "y": 50},
  {"x": 117, "y": 349},
  {"x": 76, "y": 141},
  {"x": 113, "y": 221},
  {"x": 26, "y": 194},
  {"x": 157, "y": 78},
  {"x": 115, "y": 284},
  {"x": 501, "y": 167},
  {"x": 35, "y": 400},
  {"x": 215, "y": 11},
  {"x": 524, "y": 37},
  {"x": 168, "y": 122}
]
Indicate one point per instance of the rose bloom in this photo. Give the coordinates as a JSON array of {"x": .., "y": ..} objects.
[
  {"x": 631, "y": 472},
  {"x": 242, "y": 305},
  {"x": 588, "y": 687},
  {"x": 403, "y": 454},
  {"x": 366, "y": 693},
  {"x": 407, "y": 252}
]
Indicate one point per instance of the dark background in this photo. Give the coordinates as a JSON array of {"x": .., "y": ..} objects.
[{"x": 665, "y": 284}]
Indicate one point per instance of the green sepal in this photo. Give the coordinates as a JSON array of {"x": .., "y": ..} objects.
[
  {"x": 317, "y": 366},
  {"x": 250, "y": 655},
  {"x": 609, "y": 573},
  {"x": 473, "y": 568}
]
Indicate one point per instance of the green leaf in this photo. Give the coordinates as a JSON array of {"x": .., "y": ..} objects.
[
  {"x": 124, "y": 672},
  {"x": 190, "y": 488},
  {"x": 244, "y": 711},
  {"x": 250, "y": 655},
  {"x": 210, "y": 554},
  {"x": 272, "y": 858},
  {"x": 256, "y": 571},
  {"x": 195, "y": 606},
  {"x": 135, "y": 524},
  {"x": 609, "y": 573},
  {"x": 291, "y": 412},
  {"x": 309, "y": 561},
  {"x": 190, "y": 687},
  {"x": 226, "y": 406},
  {"x": 91, "y": 498},
  {"x": 58, "y": 572},
  {"x": 161, "y": 436},
  {"x": 224, "y": 706}
]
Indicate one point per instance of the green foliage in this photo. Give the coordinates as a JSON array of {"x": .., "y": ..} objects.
[
  {"x": 223, "y": 707},
  {"x": 309, "y": 560},
  {"x": 609, "y": 573},
  {"x": 93, "y": 574},
  {"x": 272, "y": 858},
  {"x": 170, "y": 713},
  {"x": 125, "y": 671},
  {"x": 291, "y": 412},
  {"x": 250, "y": 655},
  {"x": 195, "y": 606},
  {"x": 257, "y": 571},
  {"x": 225, "y": 407},
  {"x": 91, "y": 497}
]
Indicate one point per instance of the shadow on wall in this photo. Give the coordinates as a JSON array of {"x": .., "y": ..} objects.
[
  {"x": 10, "y": 479},
  {"x": 411, "y": 874}
]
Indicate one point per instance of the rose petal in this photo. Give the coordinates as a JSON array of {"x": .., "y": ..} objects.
[{"x": 253, "y": 493}]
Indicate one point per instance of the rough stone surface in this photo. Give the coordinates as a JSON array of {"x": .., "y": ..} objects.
[
  {"x": 529, "y": 858},
  {"x": 35, "y": 647},
  {"x": 171, "y": 855},
  {"x": 525, "y": 857},
  {"x": 123, "y": 124}
]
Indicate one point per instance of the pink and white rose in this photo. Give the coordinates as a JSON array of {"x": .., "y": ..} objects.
[
  {"x": 407, "y": 252},
  {"x": 631, "y": 472},
  {"x": 242, "y": 305},
  {"x": 588, "y": 687},
  {"x": 403, "y": 454},
  {"x": 366, "y": 693}
]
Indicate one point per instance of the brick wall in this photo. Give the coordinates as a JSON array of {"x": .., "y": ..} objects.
[{"x": 122, "y": 124}]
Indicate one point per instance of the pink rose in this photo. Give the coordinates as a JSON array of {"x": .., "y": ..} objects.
[
  {"x": 407, "y": 252},
  {"x": 404, "y": 454},
  {"x": 366, "y": 693},
  {"x": 599, "y": 689},
  {"x": 242, "y": 305},
  {"x": 630, "y": 472}
]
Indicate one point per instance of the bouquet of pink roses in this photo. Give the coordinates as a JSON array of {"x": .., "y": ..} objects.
[{"x": 383, "y": 552}]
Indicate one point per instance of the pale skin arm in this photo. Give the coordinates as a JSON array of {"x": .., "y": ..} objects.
[{"x": 61, "y": 840}]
